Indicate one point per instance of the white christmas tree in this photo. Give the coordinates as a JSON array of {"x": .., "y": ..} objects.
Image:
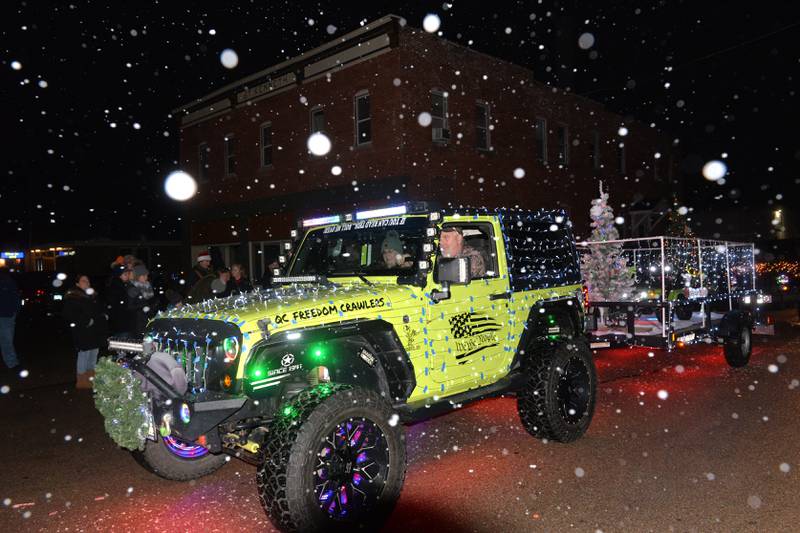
[{"x": 605, "y": 270}]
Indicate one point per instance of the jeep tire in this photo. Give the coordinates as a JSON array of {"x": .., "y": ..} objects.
[
  {"x": 163, "y": 461},
  {"x": 306, "y": 467},
  {"x": 738, "y": 346},
  {"x": 557, "y": 400}
]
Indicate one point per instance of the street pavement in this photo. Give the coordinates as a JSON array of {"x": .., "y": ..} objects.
[{"x": 679, "y": 442}]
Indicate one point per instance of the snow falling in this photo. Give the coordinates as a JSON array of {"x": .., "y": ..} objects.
[{"x": 171, "y": 133}]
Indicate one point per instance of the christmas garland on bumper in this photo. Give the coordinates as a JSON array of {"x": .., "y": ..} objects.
[{"x": 119, "y": 398}]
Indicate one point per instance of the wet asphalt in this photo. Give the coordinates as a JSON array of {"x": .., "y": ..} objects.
[{"x": 679, "y": 442}]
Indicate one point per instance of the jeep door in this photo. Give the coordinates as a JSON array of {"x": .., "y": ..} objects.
[{"x": 468, "y": 333}]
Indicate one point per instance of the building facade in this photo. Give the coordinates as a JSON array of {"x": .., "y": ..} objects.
[{"x": 410, "y": 116}]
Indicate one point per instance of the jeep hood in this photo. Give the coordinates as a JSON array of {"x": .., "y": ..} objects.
[{"x": 301, "y": 306}]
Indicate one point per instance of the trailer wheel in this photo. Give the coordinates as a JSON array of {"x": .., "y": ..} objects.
[
  {"x": 738, "y": 347},
  {"x": 557, "y": 400}
]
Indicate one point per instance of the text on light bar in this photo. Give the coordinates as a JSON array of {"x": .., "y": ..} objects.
[
  {"x": 333, "y": 219},
  {"x": 386, "y": 212}
]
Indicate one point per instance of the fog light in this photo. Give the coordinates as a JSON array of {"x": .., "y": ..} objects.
[{"x": 186, "y": 414}]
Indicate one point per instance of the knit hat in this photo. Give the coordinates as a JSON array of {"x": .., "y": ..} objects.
[
  {"x": 140, "y": 270},
  {"x": 203, "y": 256},
  {"x": 392, "y": 242},
  {"x": 453, "y": 228}
]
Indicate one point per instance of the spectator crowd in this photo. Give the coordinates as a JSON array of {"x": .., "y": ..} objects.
[{"x": 122, "y": 308}]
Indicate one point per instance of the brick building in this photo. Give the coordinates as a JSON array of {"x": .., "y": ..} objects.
[{"x": 411, "y": 116}]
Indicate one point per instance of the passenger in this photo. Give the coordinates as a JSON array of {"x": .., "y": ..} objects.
[
  {"x": 392, "y": 251},
  {"x": 451, "y": 242}
]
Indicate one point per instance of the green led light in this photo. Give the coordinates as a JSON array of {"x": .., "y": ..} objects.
[
  {"x": 257, "y": 373},
  {"x": 318, "y": 351}
]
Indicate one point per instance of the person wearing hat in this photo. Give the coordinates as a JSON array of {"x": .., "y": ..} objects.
[
  {"x": 392, "y": 251},
  {"x": 120, "y": 315},
  {"x": 451, "y": 243},
  {"x": 201, "y": 269},
  {"x": 142, "y": 299}
]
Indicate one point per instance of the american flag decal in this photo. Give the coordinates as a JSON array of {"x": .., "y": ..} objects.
[{"x": 469, "y": 324}]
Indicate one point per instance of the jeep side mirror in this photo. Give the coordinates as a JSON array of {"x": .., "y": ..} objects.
[{"x": 453, "y": 270}]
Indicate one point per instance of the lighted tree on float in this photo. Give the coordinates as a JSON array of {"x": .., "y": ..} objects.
[{"x": 604, "y": 269}]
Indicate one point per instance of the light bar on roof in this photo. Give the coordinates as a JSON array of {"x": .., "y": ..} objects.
[
  {"x": 385, "y": 212},
  {"x": 333, "y": 219}
]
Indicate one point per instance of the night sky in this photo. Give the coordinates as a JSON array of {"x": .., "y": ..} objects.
[{"x": 89, "y": 137}]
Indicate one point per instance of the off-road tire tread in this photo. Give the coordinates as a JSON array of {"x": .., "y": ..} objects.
[
  {"x": 159, "y": 460},
  {"x": 536, "y": 404},
  {"x": 280, "y": 452}
]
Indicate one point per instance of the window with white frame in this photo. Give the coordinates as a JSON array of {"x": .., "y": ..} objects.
[
  {"x": 540, "y": 135},
  {"x": 230, "y": 155},
  {"x": 363, "y": 118},
  {"x": 202, "y": 162},
  {"x": 596, "y": 150},
  {"x": 563, "y": 145},
  {"x": 482, "y": 139},
  {"x": 317, "y": 116},
  {"x": 266, "y": 144}
]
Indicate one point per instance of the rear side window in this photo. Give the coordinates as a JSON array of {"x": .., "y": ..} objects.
[{"x": 540, "y": 248}]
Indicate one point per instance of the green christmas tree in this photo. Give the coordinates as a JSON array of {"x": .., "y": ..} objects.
[
  {"x": 677, "y": 225},
  {"x": 604, "y": 268}
]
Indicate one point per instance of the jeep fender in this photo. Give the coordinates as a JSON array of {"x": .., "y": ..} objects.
[
  {"x": 363, "y": 353},
  {"x": 551, "y": 322}
]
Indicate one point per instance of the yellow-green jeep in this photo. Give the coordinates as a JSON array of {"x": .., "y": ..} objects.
[{"x": 313, "y": 378}]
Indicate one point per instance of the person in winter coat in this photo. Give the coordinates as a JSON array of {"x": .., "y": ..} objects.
[
  {"x": 88, "y": 325},
  {"x": 120, "y": 314},
  {"x": 10, "y": 304},
  {"x": 238, "y": 283},
  {"x": 201, "y": 269},
  {"x": 142, "y": 299}
]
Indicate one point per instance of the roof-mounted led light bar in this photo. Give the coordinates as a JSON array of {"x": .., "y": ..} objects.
[
  {"x": 321, "y": 221},
  {"x": 385, "y": 212}
]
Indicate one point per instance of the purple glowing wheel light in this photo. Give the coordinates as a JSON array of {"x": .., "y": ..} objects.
[
  {"x": 183, "y": 449},
  {"x": 352, "y": 466}
]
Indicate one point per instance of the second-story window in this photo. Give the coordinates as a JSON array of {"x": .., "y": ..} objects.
[
  {"x": 483, "y": 142},
  {"x": 563, "y": 145},
  {"x": 595, "y": 150},
  {"x": 317, "y": 120},
  {"x": 363, "y": 119},
  {"x": 230, "y": 155},
  {"x": 439, "y": 116},
  {"x": 266, "y": 144},
  {"x": 202, "y": 162},
  {"x": 541, "y": 140}
]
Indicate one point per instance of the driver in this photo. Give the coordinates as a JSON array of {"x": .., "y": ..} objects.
[
  {"x": 451, "y": 242},
  {"x": 392, "y": 251}
]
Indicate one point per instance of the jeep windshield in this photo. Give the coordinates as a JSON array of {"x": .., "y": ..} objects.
[{"x": 375, "y": 247}]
